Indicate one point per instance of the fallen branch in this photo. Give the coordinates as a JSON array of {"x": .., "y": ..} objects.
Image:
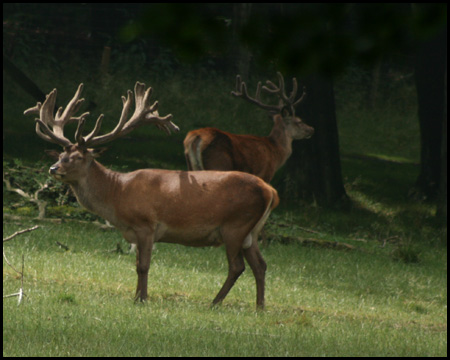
[
  {"x": 390, "y": 238},
  {"x": 327, "y": 244},
  {"x": 291, "y": 226},
  {"x": 318, "y": 243},
  {"x": 61, "y": 245},
  {"x": 34, "y": 198},
  {"x": 20, "y": 293},
  {"x": 20, "y": 232},
  {"x": 308, "y": 230}
]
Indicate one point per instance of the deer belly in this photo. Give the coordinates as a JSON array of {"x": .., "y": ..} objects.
[{"x": 189, "y": 237}]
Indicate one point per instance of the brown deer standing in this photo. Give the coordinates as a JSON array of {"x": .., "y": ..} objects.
[
  {"x": 147, "y": 206},
  {"x": 213, "y": 149}
]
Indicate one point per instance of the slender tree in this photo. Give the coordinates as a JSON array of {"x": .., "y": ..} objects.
[
  {"x": 430, "y": 70},
  {"x": 314, "y": 169}
]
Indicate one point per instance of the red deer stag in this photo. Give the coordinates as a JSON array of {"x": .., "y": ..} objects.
[
  {"x": 146, "y": 206},
  {"x": 213, "y": 149}
]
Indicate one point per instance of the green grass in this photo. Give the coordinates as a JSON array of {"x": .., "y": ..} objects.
[{"x": 320, "y": 302}]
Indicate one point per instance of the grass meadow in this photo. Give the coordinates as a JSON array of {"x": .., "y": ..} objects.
[
  {"x": 385, "y": 296},
  {"x": 320, "y": 302}
]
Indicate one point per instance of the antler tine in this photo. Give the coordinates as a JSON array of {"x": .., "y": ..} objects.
[
  {"x": 47, "y": 119},
  {"x": 239, "y": 85},
  {"x": 79, "y": 133},
  {"x": 142, "y": 105},
  {"x": 144, "y": 113},
  {"x": 301, "y": 97},
  {"x": 285, "y": 101},
  {"x": 36, "y": 110},
  {"x": 238, "y": 82},
  {"x": 92, "y": 134},
  {"x": 294, "y": 91},
  {"x": 92, "y": 139},
  {"x": 279, "y": 90},
  {"x": 33, "y": 110},
  {"x": 164, "y": 123},
  {"x": 241, "y": 91},
  {"x": 45, "y": 133},
  {"x": 72, "y": 107},
  {"x": 281, "y": 93},
  {"x": 51, "y": 128}
]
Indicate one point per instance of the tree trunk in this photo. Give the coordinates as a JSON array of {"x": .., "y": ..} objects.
[
  {"x": 429, "y": 75},
  {"x": 22, "y": 80},
  {"x": 442, "y": 200},
  {"x": 314, "y": 168},
  {"x": 240, "y": 52}
]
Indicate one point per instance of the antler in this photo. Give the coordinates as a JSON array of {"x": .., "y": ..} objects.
[
  {"x": 241, "y": 91},
  {"x": 144, "y": 113},
  {"x": 57, "y": 122},
  {"x": 285, "y": 101}
]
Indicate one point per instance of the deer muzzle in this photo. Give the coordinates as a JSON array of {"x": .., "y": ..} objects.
[{"x": 53, "y": 169}]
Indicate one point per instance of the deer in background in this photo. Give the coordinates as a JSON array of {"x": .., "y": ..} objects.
[
  {"x": 147, "y": 206},
  {"x": 214, "y": 149}
]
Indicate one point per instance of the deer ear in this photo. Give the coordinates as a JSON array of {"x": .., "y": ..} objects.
[
  {"x": 285, "y": 112},
  {"x": 97, "y": 152},
  {"x": 277, "y": 117},
  {"x": 52, "y": 153}
]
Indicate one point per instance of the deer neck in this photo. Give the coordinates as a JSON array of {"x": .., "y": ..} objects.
[
  {"x": 281, "y": 141},
  {"x": 96, "y": 191}
]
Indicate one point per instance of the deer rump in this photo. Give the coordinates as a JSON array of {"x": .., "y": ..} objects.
[{"x": 214, "y": 149}]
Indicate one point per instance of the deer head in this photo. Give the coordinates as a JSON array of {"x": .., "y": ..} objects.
[
  {"x": 284, "y": 110},
  {"x": 77, "y": 156}
]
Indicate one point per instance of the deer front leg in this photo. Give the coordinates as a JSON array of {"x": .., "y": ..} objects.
[{"x": 143, "y": 257}]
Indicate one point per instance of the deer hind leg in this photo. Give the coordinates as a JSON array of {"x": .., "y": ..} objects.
[
  {"x": 258, "y": 266},
  {"x": 256, "y": 261},
  {"x": 193, "y": 154},
  {"x": 236, "y": 267}
]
